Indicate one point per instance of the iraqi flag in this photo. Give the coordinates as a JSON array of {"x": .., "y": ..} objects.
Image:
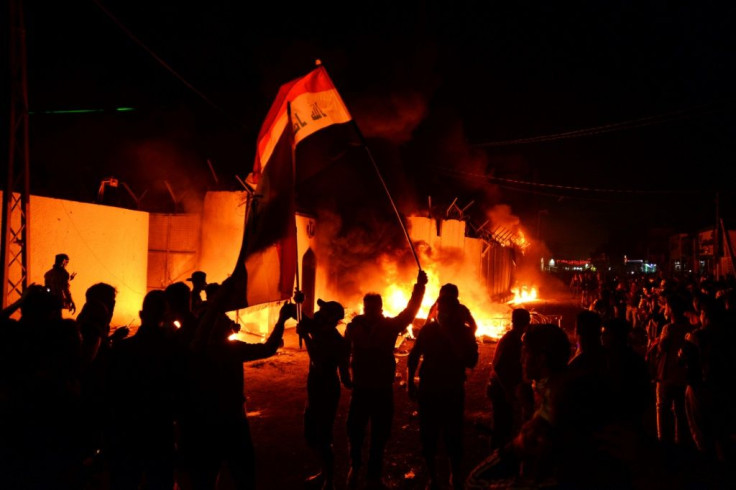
[{"x": 266, "y": 268}]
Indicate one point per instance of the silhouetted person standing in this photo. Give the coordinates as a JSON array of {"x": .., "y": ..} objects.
[
  {"x": 328, "y": 357},
  {"x": 40, "y": 357},
  {"x": 671, "y": 375},
  {"x": 94, "y": 326},
  {"x": 631, "y": 399},
  {"x": 372, "y": 339},
  {"x": 219, "y": 432},
  {"x": 511, "y": 397},
  {"x": 446, "y": 347},
  {"x": 57, "y": 281},
  {"x": 141, "y": 402}
]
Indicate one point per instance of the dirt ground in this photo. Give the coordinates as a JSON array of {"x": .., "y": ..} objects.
[{"x": 275, "y": 398}]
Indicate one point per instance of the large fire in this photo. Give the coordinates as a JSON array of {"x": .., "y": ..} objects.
[
  {"x": 492, "y": 319},
  {"x": 481, "y": 268}
]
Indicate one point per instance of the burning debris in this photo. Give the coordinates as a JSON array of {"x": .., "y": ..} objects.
[
  {"x": 481, "y": 267},
  {"x": 487, "y": 268}
]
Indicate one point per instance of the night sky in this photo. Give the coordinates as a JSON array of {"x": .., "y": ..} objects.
[{"x": 592, "y": 121}]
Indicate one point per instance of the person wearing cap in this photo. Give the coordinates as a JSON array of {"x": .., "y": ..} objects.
[
  {"x": 372, "y": 338},
  {"x": 199, "y": 284},
  {"x": 328, "y": 366},
  {"x": 57, "y": 281}
]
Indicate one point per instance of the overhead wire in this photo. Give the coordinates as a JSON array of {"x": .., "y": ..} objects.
[
  {"x": 164, "y": 64},
  {"x": 593, "y": 189},
  {"x": 567, "y": 191},
  {"x": 617, "y": 126}
]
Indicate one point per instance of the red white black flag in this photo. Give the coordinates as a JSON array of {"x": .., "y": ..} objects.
[{"x": 267, "y": 264}]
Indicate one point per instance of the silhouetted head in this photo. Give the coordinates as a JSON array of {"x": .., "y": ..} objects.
[
  {"x": 372, "y": 304},
  {"x": 103, "y": 293},
  {"x": 198, "y": 279},
  {"x": 520, "y": 318},
  {"x": 61, "y": 260},
  {"x": 449, "y": 290},
  {"x": 330, "y": 312},
  {"x": 178, "y": 295},
  {"x": 210, "y": 290},
  {"x": 588, "y": 327},
  {"x": 154, "y": 309},
  {"x": 447, "y": 307},
  {"x": 545, "y": 351},
  {"x": 39, "y": 305}
]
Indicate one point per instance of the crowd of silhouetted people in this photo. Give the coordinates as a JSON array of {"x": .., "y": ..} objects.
[
  {"x": 159, "y": 408},
  {"x": 640, "y": 394}
]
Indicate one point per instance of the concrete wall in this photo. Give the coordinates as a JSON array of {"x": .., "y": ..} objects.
[
  {"x": 104, "y": 244},
  {"x": 173, "y": 248},
  {"x": 136, "y": 252}
]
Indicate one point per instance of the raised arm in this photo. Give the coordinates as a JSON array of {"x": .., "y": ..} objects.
[
  {"x": 251, "y": 352},
  {"x": 404, "y": 318}
]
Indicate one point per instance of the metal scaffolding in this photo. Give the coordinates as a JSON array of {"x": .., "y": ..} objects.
[{"x": 16, "y": 194}]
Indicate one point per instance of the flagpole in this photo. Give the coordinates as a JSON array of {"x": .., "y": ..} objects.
[
  {"x": 380, "y": 177},
  {"x": 388, "y": 194},
  {"x": 299, "y": 297}
]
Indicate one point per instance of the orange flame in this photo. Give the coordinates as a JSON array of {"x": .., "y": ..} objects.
[
  {"x": 523, "y": 294},
  {"x": 492, "y": 319}
]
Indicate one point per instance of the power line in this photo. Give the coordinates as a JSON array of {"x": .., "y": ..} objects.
[
  {"x": 561, "y": 196},
  {"x": 568, "y": 191},
  {"x": 163, "y": 63},
  {"x": 608, "y": 128},
  {"x": 591, "y": 189}
]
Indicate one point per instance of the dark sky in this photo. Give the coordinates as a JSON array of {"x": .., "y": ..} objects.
[{"x": 593, "y": 121}]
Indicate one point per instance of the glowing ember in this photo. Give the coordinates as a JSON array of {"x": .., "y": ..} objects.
[{"x": 177, "y": 323}]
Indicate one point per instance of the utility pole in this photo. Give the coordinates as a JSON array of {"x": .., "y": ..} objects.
[
  {"x": 16, "y": 194},
  {"x": 717, "y": 242}
]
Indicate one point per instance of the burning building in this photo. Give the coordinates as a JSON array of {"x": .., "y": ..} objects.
[
  {"x": 345, "y": 268},
  {"x": 137, "y": 251}
]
